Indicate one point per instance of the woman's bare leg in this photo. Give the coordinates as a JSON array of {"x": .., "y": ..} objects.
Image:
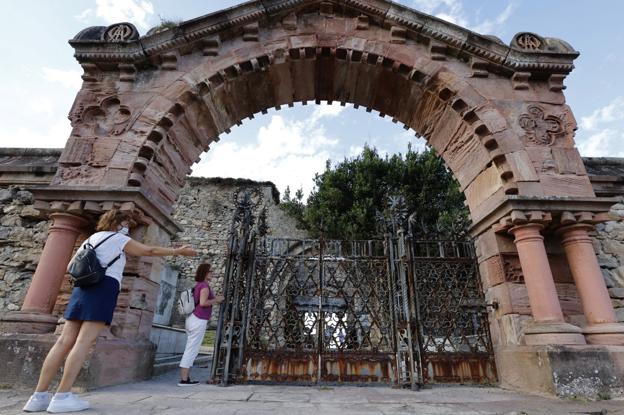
[
  {"x": 88, "y": 333},
  {"x": 184, "y": 373},
  {"x": 57, "y": 354}
]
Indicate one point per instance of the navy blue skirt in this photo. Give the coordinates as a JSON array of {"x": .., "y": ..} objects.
[{"x": 94, "y": 303}]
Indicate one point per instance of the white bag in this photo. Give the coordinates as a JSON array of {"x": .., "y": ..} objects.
[{"x": 186, "y": 302}]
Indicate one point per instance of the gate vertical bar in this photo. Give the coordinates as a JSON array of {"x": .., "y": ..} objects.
[{"x": 321, "y": 317}]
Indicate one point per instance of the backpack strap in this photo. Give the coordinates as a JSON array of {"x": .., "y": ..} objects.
[
  {"x": 104, "y": 240},
  {"x": 113, "y": 261}
]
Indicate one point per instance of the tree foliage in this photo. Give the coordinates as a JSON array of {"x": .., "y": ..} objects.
[{"x": 348, "y": 195}]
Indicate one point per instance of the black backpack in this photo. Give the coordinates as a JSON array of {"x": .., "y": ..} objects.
[{"x": 85, "y": 269}]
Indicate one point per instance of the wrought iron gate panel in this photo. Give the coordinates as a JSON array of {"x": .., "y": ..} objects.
[
  {"x": 357, "y": 343},
  {"x": 282, "y": 340},
  {"x": 452, "y": 315}
]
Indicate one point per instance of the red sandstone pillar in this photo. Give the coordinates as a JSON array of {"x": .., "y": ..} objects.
[
  {"x": 549, "y": 326},
  {"x": 35, "y": 315},
  {"x": 602, "y": 326}
]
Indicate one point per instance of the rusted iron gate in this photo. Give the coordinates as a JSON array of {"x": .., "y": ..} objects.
[
  {"x": 443, "y": 321},
  {"x": 395, "y": 311}
]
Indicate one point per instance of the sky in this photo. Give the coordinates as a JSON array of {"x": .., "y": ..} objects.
[{"x": 40, "y": 78}]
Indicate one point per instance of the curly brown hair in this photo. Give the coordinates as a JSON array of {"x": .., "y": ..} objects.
[
  {"x": 202, "y": 270},
  {"x": 111, "y": 220}
]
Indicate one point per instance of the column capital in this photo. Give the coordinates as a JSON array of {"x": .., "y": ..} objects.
[
  {"x": 68, "y": 222},
  {"x": 520, "y": 218}
]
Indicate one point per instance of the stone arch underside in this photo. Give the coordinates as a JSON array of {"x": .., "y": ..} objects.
[{"x": 496, "y": 114}]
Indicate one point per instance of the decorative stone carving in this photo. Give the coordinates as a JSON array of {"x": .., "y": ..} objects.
[
  {"x": 250, "y": 32},
  {"x": 398, "y": 35},
  {"x": 120, "y": 32},
  {"x": 210, "y": 46},
  {"x": 169, "y": 62},
  {"x": 290, "y": 22},
  {"x": 512, "y": 269},
  {"x": 540, "y": 128},
  {"x": 107, "y": 118},
  {"x": 362, "y": 22},
  {"x": 528, "y": 41}
]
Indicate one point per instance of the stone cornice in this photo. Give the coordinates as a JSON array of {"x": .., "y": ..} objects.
[
  {"x": 552, "y": 205},
  {"x": 539, "y": 56},
  {"x": 84, "y": 200}
]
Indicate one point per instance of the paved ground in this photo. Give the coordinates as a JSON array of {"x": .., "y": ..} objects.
[{"x": 161, "y": 396}]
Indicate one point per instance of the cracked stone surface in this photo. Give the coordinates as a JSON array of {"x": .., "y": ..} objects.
[{"x": 162, "y": 396}]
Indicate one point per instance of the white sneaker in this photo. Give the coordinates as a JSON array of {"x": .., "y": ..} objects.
[
  {"x": 36, "y": 404},
  {"x": 70, "y": 404}
]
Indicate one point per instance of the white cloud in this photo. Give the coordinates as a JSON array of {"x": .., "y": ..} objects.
[
  {"x": 601, "y": 133},
  {"x": 70, "y": 78},
  {"x": 287, "y": 153},
  {"x": 326, "y": 110},
  {"x": 491, "y": 26},
  {"x": 605, "y": 143},
  {"x": 137, "y": 12},
  {"x": 53, "y": 136},
  {"x": 614, "y": 111},
  {"x": 85, "y": 15},
  {"x": 453, "y": 11}
]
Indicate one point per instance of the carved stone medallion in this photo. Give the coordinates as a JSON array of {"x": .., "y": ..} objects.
[{"x": 540, "y": 128}]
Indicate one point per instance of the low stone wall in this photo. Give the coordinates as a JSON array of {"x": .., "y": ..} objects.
[
  {"x": 22, "y": 236},
  {"x": 609, "y": 245}
]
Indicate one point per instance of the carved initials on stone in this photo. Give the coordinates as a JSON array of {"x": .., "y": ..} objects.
[
  {"x": 528, "y": 41},
  {"x": 121, "y": 32},
  {"x": 540, "y": 128}
]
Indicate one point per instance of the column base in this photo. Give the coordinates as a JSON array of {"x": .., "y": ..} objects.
[
  {"x": 586, "y": 372},
  {"x": 606, "y": 334},
  {"x": 27, "y": 323},
  {"x": 553, "y": 333},
  {"x": 110, "y": 361}
]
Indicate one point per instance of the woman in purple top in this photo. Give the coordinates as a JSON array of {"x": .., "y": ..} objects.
[{"x": 197, "y": 321}]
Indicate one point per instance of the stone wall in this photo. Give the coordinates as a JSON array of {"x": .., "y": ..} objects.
[
  {"x": 22, "y": 236},
  {"x": 205, "y": 209},
  {"x": 609, "y": 244}
]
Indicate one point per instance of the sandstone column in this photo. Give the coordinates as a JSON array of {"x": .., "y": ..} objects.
[
  {"x": 549, "y": 326},
  {"x": 602, "y": 326},
  {"x": 35, "y": 315}
]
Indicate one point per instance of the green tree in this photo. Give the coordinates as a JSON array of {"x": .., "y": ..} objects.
[{"x": 347, "y": 196}]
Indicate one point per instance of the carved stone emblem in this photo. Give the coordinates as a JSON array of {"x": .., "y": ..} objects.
[
  {"x": 540, "y": 128},
  {"x": 108, "y": 118},
  {"x": 120, "y": 32},
  {"x": 528, "y": 41}
]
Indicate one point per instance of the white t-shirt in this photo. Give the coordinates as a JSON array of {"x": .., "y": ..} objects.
[{"x": 109, "y": 251}]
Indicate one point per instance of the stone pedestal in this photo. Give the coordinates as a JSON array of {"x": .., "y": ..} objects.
[
  {"x": 582, "y": 371},
  {"x": 112, "y": 361},
  {"x": 549, "y": 326},
  {"x": 602, "y": 326}
]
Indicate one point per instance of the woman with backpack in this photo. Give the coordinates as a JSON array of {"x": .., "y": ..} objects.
[
  {"x": 90, "y": 308},
  {"x": 197, "y": 321}
]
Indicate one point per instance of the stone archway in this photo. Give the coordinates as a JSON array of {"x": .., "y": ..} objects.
[{"x": 150, "y": 105}]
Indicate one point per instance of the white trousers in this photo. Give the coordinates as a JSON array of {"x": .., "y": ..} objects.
[{"x": 195, "y": 330}]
